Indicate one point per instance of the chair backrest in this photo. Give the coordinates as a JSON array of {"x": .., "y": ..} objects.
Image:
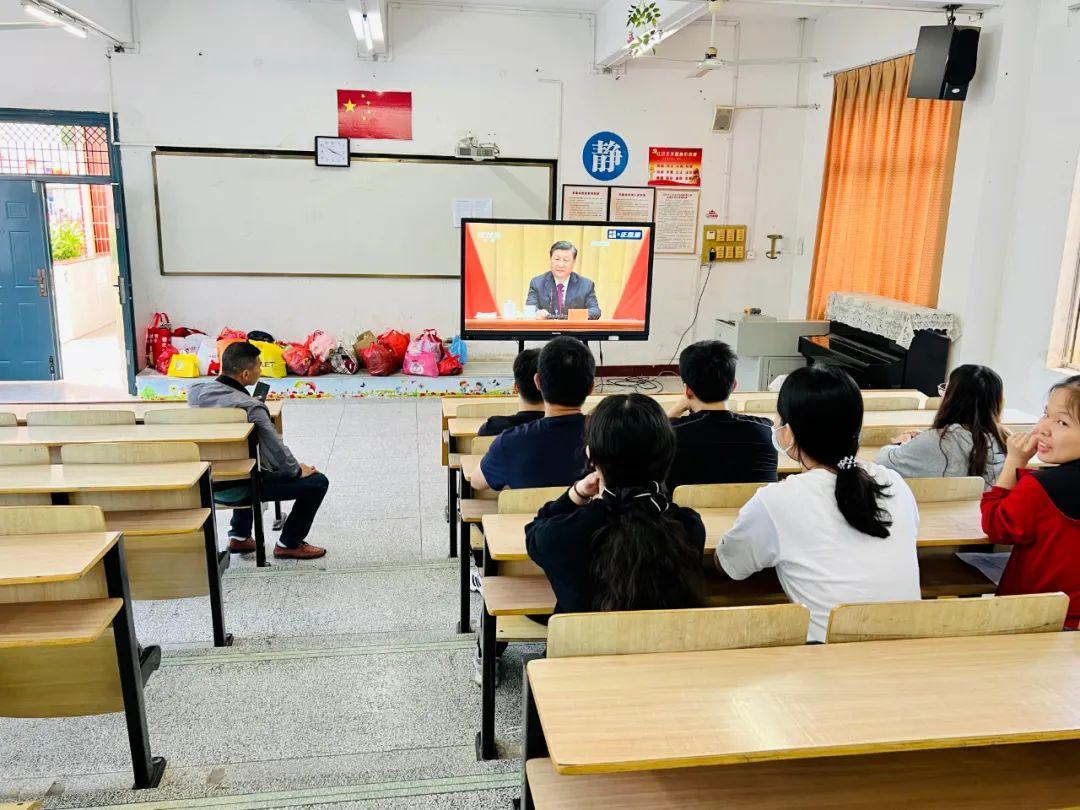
[
  {"x": 715, "y": 496},
  {"x": 129, "y": 453},
  {"x": 89, "y": 416},
  {"x": 194, "y": 416},
  {"x": 482, "y": 410},
  {"x": 939, "y": 490},
  {"x": 526, "y": 501},
  {"x": 50, "y": 519},
  {"x": 878, "y": 435},
  {"x": 941, "y": 618},
  {"x": 932, "y": 403},
  {"x": 481, "y": 444},
  {"x": 762, "y": 405},
  {"x": 908, "y": 403},
  {"x": 16, "y": 455},
  {"x": 8, "y": 419},
  {"x": 134, "y": 453},
  {"x": 696, "y": 629}
]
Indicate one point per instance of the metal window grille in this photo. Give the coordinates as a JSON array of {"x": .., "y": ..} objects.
[{"x": 28, "y": 149}]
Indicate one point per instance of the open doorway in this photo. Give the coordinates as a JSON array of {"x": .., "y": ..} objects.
[
  {"x": 70, "y": 284},
  {"x": 85, "y": 278}
]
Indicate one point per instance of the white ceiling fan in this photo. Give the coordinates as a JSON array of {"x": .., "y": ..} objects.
[{"x": 712, "y": 60}]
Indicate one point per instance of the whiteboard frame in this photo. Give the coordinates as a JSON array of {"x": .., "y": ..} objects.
[{"x": 551, "y": 165}]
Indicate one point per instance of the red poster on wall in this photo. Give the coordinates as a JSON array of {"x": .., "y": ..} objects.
[{"x": 675, "y": 166}]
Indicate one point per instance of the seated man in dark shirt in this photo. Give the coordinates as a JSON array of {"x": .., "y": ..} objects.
[
  {"x": 715, "y": 445},
  {"x": 530, "y": 401},
  {"x": 547, "y": 452}
]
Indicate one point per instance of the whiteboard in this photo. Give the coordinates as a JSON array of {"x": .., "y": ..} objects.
[{"x": 277, "y": 213}]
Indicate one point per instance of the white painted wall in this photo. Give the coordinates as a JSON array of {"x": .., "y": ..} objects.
[
  {"x": 85, "y": 297},
  {"x": 262, "y": 73}
]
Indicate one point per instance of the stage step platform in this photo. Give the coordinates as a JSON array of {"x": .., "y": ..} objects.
[{"x": 480, "y": 377}]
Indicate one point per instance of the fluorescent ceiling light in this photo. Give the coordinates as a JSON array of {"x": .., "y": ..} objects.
[{"x": 54, "y": 17}]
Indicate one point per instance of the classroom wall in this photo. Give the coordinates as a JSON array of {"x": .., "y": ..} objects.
[{"x": 262, "y": 73}]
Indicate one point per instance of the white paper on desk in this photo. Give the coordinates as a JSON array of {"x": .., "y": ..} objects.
[
  {"x": 990, "y": 564},
  {"x": 471, "y": 207}
]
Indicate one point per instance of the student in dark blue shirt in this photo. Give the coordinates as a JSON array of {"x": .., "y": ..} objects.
[
  {"x": 715, "y": 445},
  {"x": 547, "y": 452},
  {"x": 530, "y": 401}
]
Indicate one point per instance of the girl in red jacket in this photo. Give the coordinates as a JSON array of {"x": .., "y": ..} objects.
[{"x": 1038, "y": 511}]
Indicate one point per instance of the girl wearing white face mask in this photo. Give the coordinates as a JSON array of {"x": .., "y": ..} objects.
[{"x": 842, "y": 531}]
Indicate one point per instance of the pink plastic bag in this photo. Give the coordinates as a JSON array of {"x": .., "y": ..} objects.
[
  {"x": 421, "y": 364},
  {"x": 320, "y": 345},
  {"x": 298, "y": 359}
]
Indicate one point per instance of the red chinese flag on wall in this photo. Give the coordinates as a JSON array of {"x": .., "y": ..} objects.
[{"x": 370, "y": 114}]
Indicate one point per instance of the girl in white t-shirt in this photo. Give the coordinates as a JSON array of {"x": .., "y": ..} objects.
[{"x": 843, "y": 531}]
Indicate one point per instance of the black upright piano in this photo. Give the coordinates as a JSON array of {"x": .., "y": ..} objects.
[{"x": 877, "y": 362}]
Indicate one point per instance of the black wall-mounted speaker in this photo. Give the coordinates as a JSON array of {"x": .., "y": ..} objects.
[{"x": 944, "y": 62}]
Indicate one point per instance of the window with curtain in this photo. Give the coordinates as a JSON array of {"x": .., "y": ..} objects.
[{"x": 885, "y": 189}]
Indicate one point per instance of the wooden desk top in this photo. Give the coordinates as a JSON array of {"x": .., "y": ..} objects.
[
  {"x": 38, "y": 478},
  {"x": 33, "y": 559},
  {"x": 55, "y": 624},
  {"x": 94, "y": 434},
  {"x": 469, "y": 465},
  {"x": 140, "y": 407},
  {"x": 451, "y": 404},
  {"x": 645, "y": 712},
  {"x": 157, "y": 521},
  {"x": 956, "y": 523}
]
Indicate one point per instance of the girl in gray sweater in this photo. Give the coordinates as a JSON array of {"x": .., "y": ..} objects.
[{"x": 967, "y": 437}]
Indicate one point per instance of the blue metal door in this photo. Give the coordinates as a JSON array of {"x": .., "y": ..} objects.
[{"x": 27, "y": 332}]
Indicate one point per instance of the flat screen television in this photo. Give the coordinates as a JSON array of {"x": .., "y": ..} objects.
[{"x": 533, "y": 280}]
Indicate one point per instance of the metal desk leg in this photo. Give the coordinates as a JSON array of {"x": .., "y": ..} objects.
[
  {"x": 533, "y": 744},
  {"x": 148, "y": 769},
  {"x": 256, "y": 505},
  {"x": 214, "y": 563},
  {"x": 464, "y": 569},
  {"x": 452, "y": 508},
  {"x": 485, "y": 740}
]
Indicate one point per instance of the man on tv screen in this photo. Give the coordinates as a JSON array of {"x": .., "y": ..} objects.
[{"x": 560, "y": 289}]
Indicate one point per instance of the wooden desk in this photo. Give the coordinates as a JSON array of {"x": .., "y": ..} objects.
[
  {"x": 227, "y": 433},
  {"x": 954, "y": 523},
  {"x": 644, "y": 712},
  {"x": 34, "y": 559},
  {"x": 140, "y": 407},
  {"x": 61, "y": 480},
  {"x": 29, "y": 629}
]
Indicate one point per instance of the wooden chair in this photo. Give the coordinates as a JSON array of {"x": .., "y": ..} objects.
[
  {"x": 90, "y": 416},
  {"x": 714, "y": 496},
  {"x": 659, "y": 631},
  {"x": 8, "y": 420},
  {"x": 878, "y": 436},
  {"x": 932, "y": 403},
  {"x": 61, "y": 681},
  {"x": 194, "y": 416},
  {"x": 763, "y": 405},
  {"x": 17, "y": 455},
  {"x": 477, "y": 445},
  {"x": 892, "y": 403},
  {"x": 482, "y": 410},
  {"x": 940, "y": 490},
  {"x": 941, "y": 618},
  {"x": 525, "y": 502},
  {"x": 166, "y": 554}
]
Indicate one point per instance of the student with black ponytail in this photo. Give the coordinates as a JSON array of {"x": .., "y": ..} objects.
[
  {"x": 843, "y": 531},
  {"x": 613, "y": 541}
]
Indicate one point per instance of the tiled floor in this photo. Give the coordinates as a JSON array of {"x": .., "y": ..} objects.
[{"x": 346, "y": 686}]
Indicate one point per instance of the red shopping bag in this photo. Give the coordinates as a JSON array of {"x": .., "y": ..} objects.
[
  {"x": 379, "y": 360},
  {"x": 397, "y": 343},
  {"x": 164, "y": 355},
  {"x": 449, "y": 365},
  {"x": 158, "y": 336}
]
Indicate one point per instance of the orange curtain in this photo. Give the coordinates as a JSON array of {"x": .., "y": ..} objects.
[{"x": 885, "y": 190}]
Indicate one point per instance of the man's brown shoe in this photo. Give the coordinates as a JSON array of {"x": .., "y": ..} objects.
[
  {"x": 238, "y": 546},
  {"x": 304, "y": 551}
]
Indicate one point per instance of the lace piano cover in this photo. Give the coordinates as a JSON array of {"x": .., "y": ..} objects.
[{"x": 895, "y": 320}]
